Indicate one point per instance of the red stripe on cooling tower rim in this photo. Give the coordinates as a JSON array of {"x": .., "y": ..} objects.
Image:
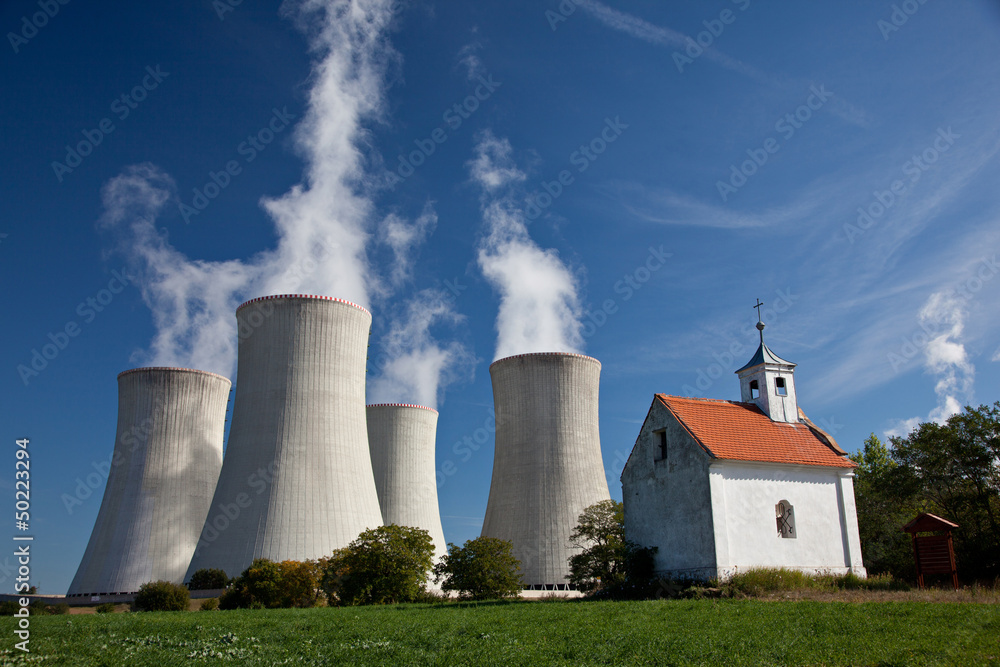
[
  {"x": 401, "y": 405},
  {"x": 547, "y": 354},
  {"x": 303, "y": 296},
  {"x": 173, "y": 368}
]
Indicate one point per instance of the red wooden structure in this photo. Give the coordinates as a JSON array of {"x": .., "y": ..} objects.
[{"x": 935, "y": 554}]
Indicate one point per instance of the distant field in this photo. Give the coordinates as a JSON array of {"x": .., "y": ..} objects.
[{"x": 724, "y": 632}]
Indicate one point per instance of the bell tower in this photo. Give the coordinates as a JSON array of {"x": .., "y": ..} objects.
[{"x": 768, "y": 381}]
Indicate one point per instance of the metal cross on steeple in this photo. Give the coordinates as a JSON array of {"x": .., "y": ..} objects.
[{"x": 760, "y": 325}]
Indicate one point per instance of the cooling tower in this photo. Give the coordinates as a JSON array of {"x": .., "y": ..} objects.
[
  {"x": 297, "y": 479},
  {"x": 402, "y": 439},
  {"x": 166, "y": 461},
  {"x": 547, "y": 465}
]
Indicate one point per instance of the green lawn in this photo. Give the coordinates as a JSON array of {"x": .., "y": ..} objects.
[{"x": 725, "y": 632}]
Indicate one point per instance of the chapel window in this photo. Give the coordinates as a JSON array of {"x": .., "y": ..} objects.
[
  {"x": 754, "y": 389},
  {"x": 785, "y": 518},
  {"x": 779, "y": 385}
]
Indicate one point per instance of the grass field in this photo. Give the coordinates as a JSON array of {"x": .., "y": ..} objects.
[{"x": 661, "y": 632}]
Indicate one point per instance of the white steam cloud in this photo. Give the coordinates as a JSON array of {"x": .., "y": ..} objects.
[
  {"x": 414, "y": 367},
  {"x": 539, "y": 306},
  {"x": 945, "y": 357},
  {"x": 323, "y": 225}
]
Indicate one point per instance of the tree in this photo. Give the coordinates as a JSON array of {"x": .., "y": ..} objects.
[
  {"x": 607, "y": 561},
  {"x": 258, "y": 587},
  {"x": 299, "y": 583},
  {"x": 600, "y": 536},
  {"x": 161, "y": 596},
  {"x": 482, "y": 569},
  {"x": 886, "y": 499},
  {"x": 388, "y": 564},
  {"x": 953, "y": 468},
  {"x": 207, "y": 579}
]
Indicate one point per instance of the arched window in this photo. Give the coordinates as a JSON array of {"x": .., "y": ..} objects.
[{"x": 785, "y": 517}]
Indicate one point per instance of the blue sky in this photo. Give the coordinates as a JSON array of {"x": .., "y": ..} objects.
[{"x": 619, "y": 179}]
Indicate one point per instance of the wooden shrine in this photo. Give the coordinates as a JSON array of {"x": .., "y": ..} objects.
[{"x": 934, "y": 554}]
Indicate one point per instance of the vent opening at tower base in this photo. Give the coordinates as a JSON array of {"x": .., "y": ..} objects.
[{"x": 550, "y": 587}]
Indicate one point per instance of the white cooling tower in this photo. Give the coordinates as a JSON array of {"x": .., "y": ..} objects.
[
  {"x": 297, "y": 479},
  {"x": 547, "y": 465},
  {"x": 166, "y": 461},
  {"x": 401, "y": 438}
]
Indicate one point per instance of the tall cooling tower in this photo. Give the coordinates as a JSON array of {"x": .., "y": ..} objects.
[
  {"x": 402, "y": 440},
  {"x": 166, "y": 461},
  {"x": 547, "y": 465},
  {"x": 297, "y": 479}
]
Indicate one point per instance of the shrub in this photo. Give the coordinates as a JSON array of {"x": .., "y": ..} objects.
[
  {"x": 760, "y": 581},
  {"x": 161, "y": 596},
  {"x": 9, "y": 608},
  {"x": 211, "y": 604},
  {"x": 388, "y": 564},
  {"x": 481, "y": 569},
  {"x": 105, "y": 608},
  {"x": 207, "y": 579}
]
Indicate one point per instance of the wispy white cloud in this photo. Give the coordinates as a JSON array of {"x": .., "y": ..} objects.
[
  {"x": 468, "y": 58},
  {"x": 402, "y": 237},
  {"x": 654, "y": 34},
  {"x": 539, "y": 305}
]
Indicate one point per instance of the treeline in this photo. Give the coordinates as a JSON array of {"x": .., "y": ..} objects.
[{"x": 951, "y": 470}]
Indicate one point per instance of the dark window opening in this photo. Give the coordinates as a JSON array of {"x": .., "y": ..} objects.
[
  {"x": 754, "y": 389},
  {"x": 779, "y": 385},
  {"x": 661, "y": 440}
]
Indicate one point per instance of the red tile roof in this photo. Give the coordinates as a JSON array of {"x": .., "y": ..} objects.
[{"x": 731, "y": 430}]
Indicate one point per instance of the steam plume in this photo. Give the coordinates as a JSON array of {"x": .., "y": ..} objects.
[{"x": 539, "y": 307}]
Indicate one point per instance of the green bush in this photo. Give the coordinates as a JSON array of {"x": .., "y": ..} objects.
[
  {"x": 9, "y": 608},
  {"x": 207, "y": 579},
  {"x": 481, "y": 569},
  {"x": 105, "y": 608},
  {"x": 761, "y": 581},
  {"x": 384, "y": 565},
  {"x": 161, "y": 596},
  {"x": 211, "y": 604}
]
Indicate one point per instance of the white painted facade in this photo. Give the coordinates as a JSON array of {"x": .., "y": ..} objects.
[{"x": 743, "y": 499}]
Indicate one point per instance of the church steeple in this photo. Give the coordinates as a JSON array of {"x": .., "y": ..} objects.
[{"x": 768, "y": 381}]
